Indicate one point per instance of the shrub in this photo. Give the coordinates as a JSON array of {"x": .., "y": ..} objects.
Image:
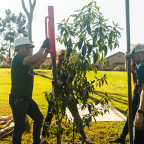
[
  {"x": 36, "y": 67},
  {"x": 46, "y": 66},
  {"x": 119, "y": 68},
  {"x": 95, "y": 66},
  {"x": 5, "y": 66}
]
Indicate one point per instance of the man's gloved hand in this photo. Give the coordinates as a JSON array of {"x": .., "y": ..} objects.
[{"x": 46, "y": 44}]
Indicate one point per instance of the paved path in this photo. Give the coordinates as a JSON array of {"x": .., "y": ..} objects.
[{"x": 113, "y": 115}]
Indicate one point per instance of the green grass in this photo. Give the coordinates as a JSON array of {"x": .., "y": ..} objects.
[{"x": 99, "y": 132}]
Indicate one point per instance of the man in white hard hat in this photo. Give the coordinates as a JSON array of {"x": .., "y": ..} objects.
[{"x": 22, "y": 77}]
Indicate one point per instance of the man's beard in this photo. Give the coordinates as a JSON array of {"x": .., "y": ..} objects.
[{"x": 137, "y": 62}]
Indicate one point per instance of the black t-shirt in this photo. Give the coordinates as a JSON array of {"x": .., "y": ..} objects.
[
  {"x": 140, "y": 77},
  {"x": 22, "y": 77}
]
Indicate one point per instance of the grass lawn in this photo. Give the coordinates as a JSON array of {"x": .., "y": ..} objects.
[{"x": 99, "y": 132}]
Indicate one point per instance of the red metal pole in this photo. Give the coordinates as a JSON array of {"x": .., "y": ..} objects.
[{"x": 51, "y": 34}]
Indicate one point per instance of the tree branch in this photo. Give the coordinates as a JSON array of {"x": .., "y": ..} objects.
[
  {"x": 32, "y": 6},
  {"x": 30, "y": 3},
  {"x": 24, "y": 7}
]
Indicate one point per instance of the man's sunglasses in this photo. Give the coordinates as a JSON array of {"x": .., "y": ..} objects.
[{"x": 28, "y": 48}]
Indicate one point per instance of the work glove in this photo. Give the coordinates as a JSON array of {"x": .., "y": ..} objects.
[{"x": 46, "y": 44}]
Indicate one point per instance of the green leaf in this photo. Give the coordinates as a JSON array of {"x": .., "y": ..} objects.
[
  {"x": 69, "y": 43},
  {"x": 60, "y": 24},
  {"x": 89, "y": 108},
  {"x": 90, "y": 4},
  {"x": 105, "y": 50},
  {"x": 89, "y": 49},
  {"x": 96, "y": 30},
  {"x": 106, "y": 82},
  {"x": 77, "y": 10},
  {"x": 73, "y": 15},
  {"x": 99, "y": 83},
  {"x": 115, "y": 44},
  {"x": 96, "y": 102},
  {"x": 89, "y": 9},
  {"x": 71, "y": 33},
  {"x": 84, "y": 7},
  {"x": 67, "y": 19},
  {"x": 100, "y": 30},
  {"x": 62, "y": 30},
  {"x": 89, "y": 29},
  {"x": 98, "y": 55},
  {"x": 81, "y": 40},
  {"x": 82, "y": 37},
  {"x": 63, "y": 20},
  {"x": 95, "y": 70},
  {"x": 87, "y": 64},
  {"x": 94, "y": 39},
  {"x": 82, "y": 33},
  {"x": 93, "y": 14},
  {"x": 79, "y": 44},
  {"x": 76, "y": 45},
  {"x": 95, "y": 57},
  {"x": 92, "y": 81},
  {"x": 84, "y": 48}
]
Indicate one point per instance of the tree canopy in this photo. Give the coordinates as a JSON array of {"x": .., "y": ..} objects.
[{"x": 11, "y": 27}]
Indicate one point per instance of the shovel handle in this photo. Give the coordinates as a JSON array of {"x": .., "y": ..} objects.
[
  {"x": 49, "y": 31},
  {"x": 47, "y": 36},
  {"x": 46, "y": 26}
]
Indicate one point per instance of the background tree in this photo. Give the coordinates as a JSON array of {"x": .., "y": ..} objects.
[
  {"x": 87, "y": 37},
  {"x": 2, "y": 56},
  {"x": 11, "y": 27},
  {"x": 2, "y": 59},
  {"x": 30, "y": 18}
]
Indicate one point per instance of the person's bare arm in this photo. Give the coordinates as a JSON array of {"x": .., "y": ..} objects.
[
  {"x": 42, "y": 59},
  {"x": 139, "y": 118},
  {"x": 127, "y": 62},
  {"x": 30, "y": 60},
  {"x": 141, "y": 106}
]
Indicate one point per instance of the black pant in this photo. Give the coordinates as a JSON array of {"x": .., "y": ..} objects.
[
  {"x": 21, "y": 107},
  {"x": 125, "y": 130},
  {"x": 48, "y": 117},
  {"x": 73, "y": 109}
]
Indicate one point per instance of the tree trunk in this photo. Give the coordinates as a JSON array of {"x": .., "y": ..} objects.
[
  {"x": 30, "y": 17},
  {"x": 10, "y": 55},
  {"x": 30, "y": 32}
]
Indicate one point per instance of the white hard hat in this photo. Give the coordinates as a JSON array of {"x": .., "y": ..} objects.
[{"x": 22, "y": 41}]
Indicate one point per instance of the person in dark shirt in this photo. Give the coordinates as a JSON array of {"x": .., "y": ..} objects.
[
  {"x": 20, "y": 97},
  {"x": 137, "y": 55},
  {"x": 135, "y": 96}
]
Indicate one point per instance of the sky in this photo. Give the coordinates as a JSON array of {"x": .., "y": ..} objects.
[{"x": 114, "y": 10}]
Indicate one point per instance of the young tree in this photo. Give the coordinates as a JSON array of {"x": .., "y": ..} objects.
[
  {"x": 11, "y": 27},
  {"x": 30, "y": 18},
  {"x": 87, "y": 37}
]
